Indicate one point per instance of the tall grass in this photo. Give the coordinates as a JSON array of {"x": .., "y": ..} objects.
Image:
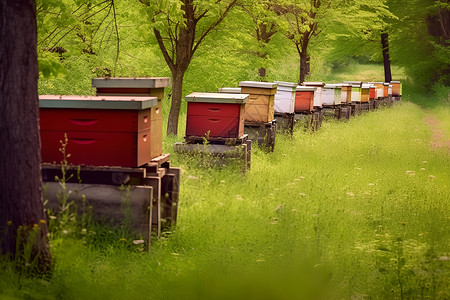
[{"x": 357, "y": 210}]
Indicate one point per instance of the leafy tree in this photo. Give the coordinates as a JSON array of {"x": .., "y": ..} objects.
[
  {"x": 303, "y": 20},
  {"x": 180, "y": 27},
  {"x": 23, "y": 229},
  {"x": 421, "y": 38},
  {"x": 265, "y": 27}
]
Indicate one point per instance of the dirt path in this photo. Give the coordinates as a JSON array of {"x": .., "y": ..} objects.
[{"x": 438, "y": 139}]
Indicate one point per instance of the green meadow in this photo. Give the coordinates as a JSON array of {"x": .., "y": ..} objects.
[{"x": 357, "y": 210}]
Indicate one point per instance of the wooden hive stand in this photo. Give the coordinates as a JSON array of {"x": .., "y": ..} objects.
[{"x": 151, "y": 193}]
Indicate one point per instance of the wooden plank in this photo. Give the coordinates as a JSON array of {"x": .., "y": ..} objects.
[{"x": 93, "y": 175}]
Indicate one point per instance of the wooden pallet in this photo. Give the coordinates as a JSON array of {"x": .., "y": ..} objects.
[
  {"x": 310, "y": 120},
  {"x": 216, "y": 140},
  {"x": 153, "y": 192},
  {"x": 263, "y": 134},
  {"x": 285, "y": 122},
  {"x": 218, "y": 154}
]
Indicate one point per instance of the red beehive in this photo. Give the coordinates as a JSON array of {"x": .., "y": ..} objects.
[
  {"x": 215, "y": 114},
  {"x": 139, "y": 86},
  {"x": 101, "y": 131},
  {"x": 304, "y": 98}
]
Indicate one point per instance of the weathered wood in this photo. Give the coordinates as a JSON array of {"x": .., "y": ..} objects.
[
  {"x": 263, "y": 134},
  {"x": 216, "y": 140},
  {"x": 285, "y": 122},
  {"x": 220, "y": 154}
]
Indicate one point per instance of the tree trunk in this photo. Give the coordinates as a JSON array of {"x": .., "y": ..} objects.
[
  {"x": 177, "y": 91},
  {"x": 304, "y": 66},
  {"x": 387, "y": 62},
  {"x": 21, "y": 206}
]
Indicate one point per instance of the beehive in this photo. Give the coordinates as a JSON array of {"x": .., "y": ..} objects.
[
  {"x": 328, "y": 95},
  {"x": 373, "y": 92},
  {"x": 385, "y": 89},
  {"x": 365, "y": 93},
  {"x": 356, "y": 90},
  {"x": 139, "y": 86},
  {"x": 101, "y": 131},
  {"x": 396, "y": 88},
  {"x": 390, "y": 90},
  {"x": 215, "y": 114},
  {"x": 260, "y": 105},
  {"x": 285, "y": 97},
  {"x": 318, "y": 93},
  {"x": 346, "y": 93},
  {"x": 379, "y": 89},
  {"x": 304, "y": 99}
]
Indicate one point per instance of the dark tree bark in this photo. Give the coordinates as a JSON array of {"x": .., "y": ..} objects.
[
  {"x": 386, "y": 60},
  {"x": 21, "y": 206}
]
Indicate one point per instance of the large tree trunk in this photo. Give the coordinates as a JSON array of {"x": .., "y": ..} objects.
[
  {"x": 177, "y": 92},
  {"x": 386, "y": 60},
  {"x": 304, "y": 67},
  {"x": 21, "y": 206}
]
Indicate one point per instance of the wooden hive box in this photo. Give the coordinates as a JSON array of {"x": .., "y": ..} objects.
[
  {"x": 365, "y": 93},
  {"x": 139, "y": 86},
  {"x": 346, "y": 93},
  {"x": 379, "y": 89},
  {"x": 372, "y": 92},
  {"x": 385, "y": 89},
  {"x": 396, "y": 88},
  {"x": 260, "y": 106},
  {"x": 230, "y": 90},
  {"x": 101, "y": 131},
  {"x": 318, "y": 93},
  {"x": 304, "y": 99},
  {"x": 328, "y": 95},
  {"x": 356, "y": 90},
  {"x": 285, "y": 97},
  {"x": 216, "y": 114},
  {"x": 390, "y": 88}
]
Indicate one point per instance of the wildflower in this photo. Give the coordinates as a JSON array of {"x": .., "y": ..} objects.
[
  {"x": 192, "y": 177},
  {"x": 137, "y": 242},
  {"x": 425, "y": 162},
  {"x": 410, "y": 173},
  {"x": 65, "y": 232},
  {"x": 35, "y": 225},
  {"x": 302, "y": 194},
  {"x": 222, "y": 181},
  {"x": 42, "y": 221},
  {"x": 9, "y": 223},
  {"x": 83, "y": 231},
  {"x": 372, "y": 184},
  {"x": 239, "y": 197},
  {"x": 123, "y": 240},
  {"x": 422, "y": 169},
  {"x": 431, "y": 176},
  {"x": 350, "y": 194}
]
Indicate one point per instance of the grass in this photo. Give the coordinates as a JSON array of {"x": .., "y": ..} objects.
[{"x": 356, "y": 210}]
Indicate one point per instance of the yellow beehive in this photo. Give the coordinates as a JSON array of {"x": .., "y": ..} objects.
[{"x": 260, "y": 106}]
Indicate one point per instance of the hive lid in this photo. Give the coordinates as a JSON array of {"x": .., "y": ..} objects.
[
  {"x": 354, "y": 82},
  {"x": 128, "y": 82},
  {"x": 258, "y": 84},
  {"x": 332, "y": 86},
  {"x": 302, "y": 88},
  {"x": 386, "y": 83},
  {"x": 365, "y": 86},
  {"x": 97, "y": 102},
  {"x": 313, "y": 83},
  {"x": 286, "y": 84},
  {"x": 230, "y": 90},
  {"x": 217, "y": 98},
  {"x": 395, "y": 81}
]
